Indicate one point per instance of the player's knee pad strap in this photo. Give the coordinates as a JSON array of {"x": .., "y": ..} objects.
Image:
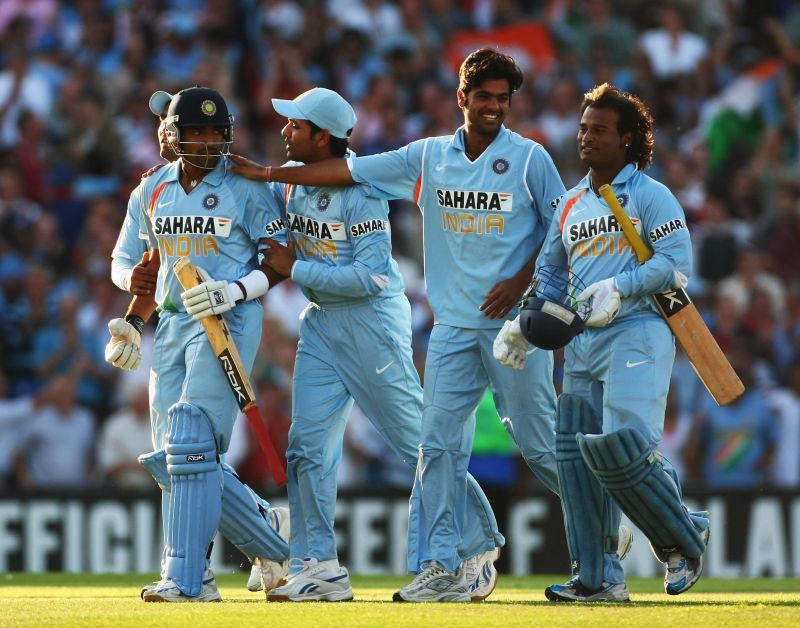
[
  {"x": 245, "y": 521},
  {"x": 156, "y": 464},
  {"x": 631, "y": 470},
  {"x": 195, "y": 495},
  {"x": 586, "y": 505}
]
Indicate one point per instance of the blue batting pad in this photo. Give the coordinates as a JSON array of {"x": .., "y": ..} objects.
[
  {"x": 591, "y": 518},
  {"x": 632, "y": 472},
  {"x": 245, "y": 521},
  {"x": 156, "y": 464},
  {"x": 195, "y": 495}
]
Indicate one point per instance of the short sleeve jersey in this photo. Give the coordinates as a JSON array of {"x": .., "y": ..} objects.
[
  {"x": 217, "y": 225},
  {"x": 343, "y": 244},
  {"x": 483, "y": 219},
  {"x": 586, "y": 238}
]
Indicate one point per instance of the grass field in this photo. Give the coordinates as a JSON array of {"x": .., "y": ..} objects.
[{"x": 113, "y": 600}]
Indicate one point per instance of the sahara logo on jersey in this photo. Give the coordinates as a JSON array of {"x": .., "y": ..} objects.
[
  {"x": 601, "y": 235},
  {"x": 474, "y": 201},
  {"x": 368, "y": 226},
  {"x": 316, "y": 228},
  {"x": 192, "y": 225},
  {"x": 275, "y": 226},
  {"x": 592, "y": 228},
  {"x": 666, "y": 229}
]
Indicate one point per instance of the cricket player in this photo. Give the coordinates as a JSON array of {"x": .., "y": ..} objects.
[
  {"x": 485, "y": 194},
  {"x": 193, "y": 207},
  {"x": 247, "y": 520},
  {"x": 610, "y": 416},
  {"x": 355, "y": 344}
]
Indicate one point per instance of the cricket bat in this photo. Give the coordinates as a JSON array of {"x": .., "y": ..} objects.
[
  {"x": 691, "y": 332},
  {"x": 221, "y": 339}
]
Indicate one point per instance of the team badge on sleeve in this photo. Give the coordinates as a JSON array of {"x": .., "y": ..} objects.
[
  {"x": 500, "y": 166},
  {"x": 210, "y": 201}
]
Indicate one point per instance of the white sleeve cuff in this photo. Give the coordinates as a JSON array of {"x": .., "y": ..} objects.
[{"x": 255, "y": 284}]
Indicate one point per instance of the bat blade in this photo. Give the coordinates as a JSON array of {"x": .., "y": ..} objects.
[
  {"x": 221, "y": 340},
  {"x": 688, "y": 327}
]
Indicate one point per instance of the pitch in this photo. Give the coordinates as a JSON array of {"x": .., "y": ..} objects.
[{"x": 113, "y": 600}]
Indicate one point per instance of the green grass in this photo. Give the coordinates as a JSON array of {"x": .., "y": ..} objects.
[{"x": 113, "y": 600}]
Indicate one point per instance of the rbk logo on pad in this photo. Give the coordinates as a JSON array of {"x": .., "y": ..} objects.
[{"x": 195, "y": 458}]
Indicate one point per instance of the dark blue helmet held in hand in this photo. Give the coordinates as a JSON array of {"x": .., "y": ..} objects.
[{"x": 549, "y": 315}]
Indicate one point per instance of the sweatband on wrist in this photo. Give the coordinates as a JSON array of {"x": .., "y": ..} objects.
[
  {"x": 253, "y": 285},
  {"x": 136, "y": 321}
]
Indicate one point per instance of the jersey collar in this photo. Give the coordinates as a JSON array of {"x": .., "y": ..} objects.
[
  {"x": 457, "y": 142},
  {"x": 628, "y": 170}
]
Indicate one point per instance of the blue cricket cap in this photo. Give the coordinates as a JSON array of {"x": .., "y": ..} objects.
[
  {"x": 159, "y": 103},
  {"x": 323, "y": 107}
]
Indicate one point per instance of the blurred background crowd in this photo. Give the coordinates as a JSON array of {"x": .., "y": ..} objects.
[{"x": 721, "y": 77}]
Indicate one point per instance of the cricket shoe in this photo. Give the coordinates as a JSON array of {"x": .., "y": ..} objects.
[
  {"x": 481, "y": 574},
  {"x": 683, "y": 572},
  {"x": 575, "y": 591},
  {"x": 625, "y": 542},
  {"x": 167, "y": 591},
  {"x": 436, "y": 584},
  {"x": 316, "y": 582},
  {"x": 267, "y": 574}
]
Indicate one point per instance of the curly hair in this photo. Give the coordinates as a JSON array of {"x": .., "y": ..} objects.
[
  {"x": 634, "y": 118},
  {"x": 486, "y": 64}
]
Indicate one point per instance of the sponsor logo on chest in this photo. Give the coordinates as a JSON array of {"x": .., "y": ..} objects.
[
  {"x": 316, "y": 228},
  {"x": 474, "y": 200},
  {"x": 192, "y": 225}
]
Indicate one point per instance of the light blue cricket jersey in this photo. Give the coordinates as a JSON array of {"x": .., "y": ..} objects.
[
  {"x": 586, "y": 238},
  {"x": 343, "y": 244},
  {"x": 483, "y": 220},
  {"x": 218, "y": 225}
]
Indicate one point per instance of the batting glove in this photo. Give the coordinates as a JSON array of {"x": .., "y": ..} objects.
[
  {"x": 510, "y": 347},
  {"x": 124, "y": 349},
  {"x": 605, "y": 302},
  {"x": 211, "y": 298}
]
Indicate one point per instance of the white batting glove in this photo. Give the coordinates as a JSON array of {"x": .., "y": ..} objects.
[
  {"x": 211, "y": 298},
  {"x": 510, "y": 347},
  {"x": 124, "y": 349},
  {"x": 605, "y": 302}
]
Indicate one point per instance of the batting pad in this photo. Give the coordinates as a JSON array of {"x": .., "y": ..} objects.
[
  {"x": 591, "y": 518},
  {"x": 632, "y": 472},
  {"x": 156, "y": 464},
  {"x": 195, "y": 495},
  {"x": 244, "y": 521}
]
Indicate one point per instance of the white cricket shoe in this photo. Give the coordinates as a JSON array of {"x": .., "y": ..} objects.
[
  {"x": 575, "y": 591},
  {"x": 167, "y": 591},
  {"x": 481, "y": 574},
  {"x": 683, "y": 572},
  {"x": 314, "y": 583},
  {"x": 267, "y": 574},
  {"x": 625, "y": 542},
  {"x": 435, "y": 584}
]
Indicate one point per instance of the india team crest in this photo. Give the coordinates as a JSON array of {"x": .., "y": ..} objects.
[
  {"x": 323, "y": 201},
  {"x": 208, "y": 107},
  {"x": 623, "y": 199},
  {"x": 210, "y": 202},
  {"x": 500, "y": 166}
]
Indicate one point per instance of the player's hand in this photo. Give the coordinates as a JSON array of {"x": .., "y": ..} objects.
[
  {"x": 279, "y": 257},
  {"x": 503, "y": 297},
  {"x": 510, "y": 347},
  {"x": 605, "y": 302},
  {"x": 145, "y": 274},
  {"x": 210, "y": 298},
  {"x": 246, "y": 168},
  {"x": 124, "y": 349}
]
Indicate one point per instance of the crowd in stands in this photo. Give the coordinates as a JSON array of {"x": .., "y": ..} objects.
[{"x": 721, "y": 77}]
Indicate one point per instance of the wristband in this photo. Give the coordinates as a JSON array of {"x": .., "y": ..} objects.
[
  {"x": 136, "y": 321},
  {"x": 244, "y": 292},
  {"x": 269, "y": 173}
]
